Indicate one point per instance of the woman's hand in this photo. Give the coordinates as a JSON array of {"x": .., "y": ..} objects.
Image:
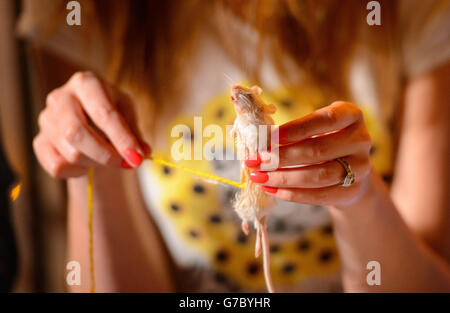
[
  {"x": 87, "y": 123},
  {"x": 317, "y": 140}
]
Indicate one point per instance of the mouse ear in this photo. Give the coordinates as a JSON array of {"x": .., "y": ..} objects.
[{"x": 257, "y": 90}]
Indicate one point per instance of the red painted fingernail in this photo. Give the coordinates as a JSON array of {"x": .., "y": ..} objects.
[
  {"x": 253, "y": 163},
  {"x": 283, "y": 135},
  {"x": 270, "y": 189},
  {"x": 133, "y": 157},
  {"x": 259, "y": 177},
  {"x": 124, "y": 164}
]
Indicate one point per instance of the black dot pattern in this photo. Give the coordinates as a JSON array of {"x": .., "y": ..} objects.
[
  {"x": 288, "y": 268},
  {"x": 193, "y": 233},
  {"x": 287, "y": 103},
  {"x": 220, "y": 113},
  {"x": 241, "y": 238},
  {"x": 326, "y": 255},
  {"x": 220, "y": 278},
  {"x": 253, "y": 268},
  {"x": 279, "y": 226},
  {"x": 304, "y": 245},
  {"x": 222, "y": 256},
  {"x": 215, "y": 219},
  {"x": 175, "y": 207},
  {"x": 166, "y": 170},
  {"x": 275, "y": 248},
  {"x": 327, "y": 230},
  {"x": 199, "y": 189}
]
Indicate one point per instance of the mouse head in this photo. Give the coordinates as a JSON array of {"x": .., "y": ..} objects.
[{"x": 246, "y": 100}]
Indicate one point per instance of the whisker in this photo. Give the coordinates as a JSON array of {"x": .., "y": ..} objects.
[{"x": 229, "y": 79}]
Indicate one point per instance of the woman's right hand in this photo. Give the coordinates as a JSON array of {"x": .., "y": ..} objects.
[{"x": 87, "y": 123}]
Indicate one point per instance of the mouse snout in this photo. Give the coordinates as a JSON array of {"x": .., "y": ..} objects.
[
  {"x": 235, "y": 92},
  {"x": 236, "y": 88}
]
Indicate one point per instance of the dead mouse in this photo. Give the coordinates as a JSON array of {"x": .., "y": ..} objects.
[{"x": 252, "y": 204}]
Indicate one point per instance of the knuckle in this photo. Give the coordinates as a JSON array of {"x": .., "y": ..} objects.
[
  {"x": 317, "y": 150},
  {"x": 73, "y": 133},
  {"x": 125, "y": 140},
  {"x": 36, "y": 143},
  {"x": 42, "y": 119},
  {"x": 74, "y": 156},
  {"x": 55, "y": 168},
  {"x": 53, "y": 97},
  {"x": 356, "y": 111},
  {"x": 332, "y": 115},
  {"x": 105, "y": 114},
  {"x": 81, "y": 78},
  {"x": 289, "y": 196},
  {"x": 280, "y": 179},
  {"x": 105, "y": 157},
  {"x": 323, "y": 174}
]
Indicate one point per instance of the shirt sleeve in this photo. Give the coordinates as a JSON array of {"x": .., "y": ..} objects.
[{"x": 425, "y": 35}]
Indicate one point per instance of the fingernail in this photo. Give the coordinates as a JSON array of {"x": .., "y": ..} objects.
[
  {"x": 124, "y": 164},
  {"x": 253, "y": 163},
  {"x": 259, "y": 177},
  {"x": 133, "y": 157},
  {"x": 283, "y": 135},
  {"x": 269, "y": 189}
]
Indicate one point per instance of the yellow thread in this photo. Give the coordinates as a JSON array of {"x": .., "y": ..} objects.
[
  {"x": 199, "y": 173},
  {"x": 91, "y": 233}
]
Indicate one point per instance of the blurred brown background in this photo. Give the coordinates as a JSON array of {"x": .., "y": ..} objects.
[{"x": 38, "y": 214}]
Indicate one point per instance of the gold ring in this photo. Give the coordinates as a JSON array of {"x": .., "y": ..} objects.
[{"x": 350, "y": 177}]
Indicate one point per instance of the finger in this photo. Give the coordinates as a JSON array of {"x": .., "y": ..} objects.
[
  {"x": 100, "y": 108},
  {"x": 52, "y": 162},
  {"x": 77, "y": 138},
  {"x": 125, "y": 105},
  {"x": 353, "y": 140},
  {"x": 336, "y": 116},
  {"x": 327, "y": 196},
  {"x": 66, "y": 150},
  {"x": 314, "y": 176}
]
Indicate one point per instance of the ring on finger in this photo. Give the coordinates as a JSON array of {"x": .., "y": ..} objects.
[{"x": 350, "y": 176}]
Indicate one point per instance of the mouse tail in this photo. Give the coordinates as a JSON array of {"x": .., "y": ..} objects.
[
  {"x": 258, "y": 243},
  {"x": 266, "y": 254}
]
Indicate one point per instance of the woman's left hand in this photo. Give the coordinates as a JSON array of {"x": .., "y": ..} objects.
[{"x": 314, "y": 142}]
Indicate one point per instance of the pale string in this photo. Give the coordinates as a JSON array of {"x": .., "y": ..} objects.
[{"x": 91, "y": 232}]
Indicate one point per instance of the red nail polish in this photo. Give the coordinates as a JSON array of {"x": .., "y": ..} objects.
[
  {"x": 133, "y": 157},
  {"x": 124, "y": 164},
  {"x": 253, "y": 163},
  {"x": 283, "y": 135},
  {"x": 270, "y": 189},
  {"x": 259, "y": 177}
]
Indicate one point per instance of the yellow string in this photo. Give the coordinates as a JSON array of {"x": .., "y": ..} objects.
[
  {"x": 199, "y": 173},
  {"x": 91, "y": 233},
  {"x": 90, "y": 200}
]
